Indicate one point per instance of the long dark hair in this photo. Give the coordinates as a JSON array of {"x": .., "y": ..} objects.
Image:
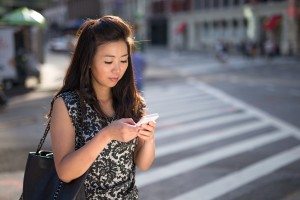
[{"x": 127, "y": 101}]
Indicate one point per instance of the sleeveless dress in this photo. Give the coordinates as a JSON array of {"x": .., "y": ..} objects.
[{"x": 112, "y": 175}]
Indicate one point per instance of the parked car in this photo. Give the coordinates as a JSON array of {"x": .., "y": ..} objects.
[
  {"x": 8, "y": 76},
  {"x": 8, "y": 71},
  {"x": 16, "y": 62},
  {"x": 33, "y": 67},
  {"x": 3, "y": 98},
  {"x": 62, "y": 44}
]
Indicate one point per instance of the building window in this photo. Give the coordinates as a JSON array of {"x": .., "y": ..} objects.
[
  {"x": 215, "y": 24},
  {"x": 235, "y": 23},
  {"x": 187, "y": 5},
  {"x": 236, "y": 2},
  {"x": 245, "y": 23},
  {"x": 224, "y": 24},
  {"x": 216, "y": 3},
  {"x": 207, "y": 4},
  {"x": 180, "y": 5},
  {"x": 225, "y": 3},
  {"x": 158, "y": 7},
  {"x": 199, "y": 5},
  {"x": 206, "y": 25},
  {"x": 206, "y": 28}
]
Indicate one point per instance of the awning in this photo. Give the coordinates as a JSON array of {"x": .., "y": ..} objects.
[
  {"x": 272, "y": 22},
  {"x": 24, "y": 16}
]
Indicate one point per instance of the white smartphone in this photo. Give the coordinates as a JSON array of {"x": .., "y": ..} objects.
[{"x": 147, "y": 118}]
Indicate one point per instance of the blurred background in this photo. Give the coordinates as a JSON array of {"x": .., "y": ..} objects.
[{"x": 223, "y": 75}]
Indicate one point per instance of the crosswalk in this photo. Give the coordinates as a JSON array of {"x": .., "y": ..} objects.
[{"x": 212, "y": 146}]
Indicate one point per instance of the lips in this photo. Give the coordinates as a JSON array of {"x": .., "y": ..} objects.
[{"x": 114, "y": 79}]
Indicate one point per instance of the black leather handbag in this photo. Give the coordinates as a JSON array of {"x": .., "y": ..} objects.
[{"x": 41, "y": 181}]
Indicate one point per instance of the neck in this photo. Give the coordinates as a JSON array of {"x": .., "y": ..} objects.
[{"x": 102, "y": 93}]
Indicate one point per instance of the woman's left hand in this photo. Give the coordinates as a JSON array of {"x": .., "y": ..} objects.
[{"x": 146, "y": 132}]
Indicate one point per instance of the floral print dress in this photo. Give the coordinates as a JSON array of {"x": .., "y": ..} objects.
[{"x": 112, "y": 175}]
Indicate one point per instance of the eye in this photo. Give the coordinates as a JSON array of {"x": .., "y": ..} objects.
[
  {"x": 123, "y": 61},
  {"x": 108, "y": 63}
]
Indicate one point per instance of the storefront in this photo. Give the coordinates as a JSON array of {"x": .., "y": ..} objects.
[{"x": 22, "y": 30}]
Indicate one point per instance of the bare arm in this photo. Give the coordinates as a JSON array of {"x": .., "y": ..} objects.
[
  {"x": 145, "y": 153},
  {"x": 71, "y": 164}
]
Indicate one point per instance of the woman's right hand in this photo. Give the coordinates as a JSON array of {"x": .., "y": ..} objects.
[{"x": 122, "y": 130}]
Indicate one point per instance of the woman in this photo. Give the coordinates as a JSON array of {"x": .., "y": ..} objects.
[{"x": 94, "y": 114}]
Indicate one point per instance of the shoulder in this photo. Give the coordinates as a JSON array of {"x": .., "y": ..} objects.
[
  {"x": 69, "y": 99},
  {"x": 68, "y": 96},
  {"x": 67, "y": 103}
]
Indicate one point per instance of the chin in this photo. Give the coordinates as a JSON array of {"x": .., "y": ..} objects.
[{"x": 112, "y": 84}]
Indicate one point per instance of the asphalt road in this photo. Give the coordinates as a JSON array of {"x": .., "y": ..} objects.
[
  {"x": 270, "y": 85},
  {"x": 274, "y": 88}
]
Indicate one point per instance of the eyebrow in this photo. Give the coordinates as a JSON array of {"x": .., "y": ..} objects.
[{"x": 115, "y": 56}]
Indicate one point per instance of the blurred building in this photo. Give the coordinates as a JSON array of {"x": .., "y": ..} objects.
[
  {"x": 56, "y": 14},
  {"x": 70, "y": 14},
  {"x": 9, "y": 5},
  {"x": 199, "y": 24},
  {"x": 133, "y": 11},
  {"x": 82, "y": 9}
]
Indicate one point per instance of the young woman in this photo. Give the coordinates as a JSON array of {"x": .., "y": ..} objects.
[{"x": 93, "y": 122}]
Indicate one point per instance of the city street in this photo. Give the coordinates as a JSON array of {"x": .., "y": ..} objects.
[{"x": 226, "y": 131}]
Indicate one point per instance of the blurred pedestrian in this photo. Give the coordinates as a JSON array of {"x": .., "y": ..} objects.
[
  {"x": 93, "y": 122},
  {"x": 139, "y": 65},
  {"x": 21, "y": 62},
  {"x": 269, "y": 48},
  {"x": 220, "y": 51},
  {"x": 3, "y": 99}
]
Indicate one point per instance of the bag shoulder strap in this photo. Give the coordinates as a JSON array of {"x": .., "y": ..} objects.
[{"x": 42, "y": 140}]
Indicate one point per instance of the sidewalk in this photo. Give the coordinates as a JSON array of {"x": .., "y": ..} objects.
[
  {"x": 164, "y": 57},
  {"x": 11, "y": 185}
]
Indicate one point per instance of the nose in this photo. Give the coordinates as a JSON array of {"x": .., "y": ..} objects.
[{"x": 116, "y": 68}]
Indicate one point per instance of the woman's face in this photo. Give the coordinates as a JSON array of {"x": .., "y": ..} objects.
[{"x": 109, "y": 64}]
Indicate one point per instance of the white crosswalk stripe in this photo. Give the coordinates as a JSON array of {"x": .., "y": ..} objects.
[
  {"x": 174, "y": 113},
  {"x": 186, "y": 95},
  {"x": 193, "y": 126},
  {"x": 183, "y": 106},
  {"x": 193, "y": 162},
  {"x": 177, "y": 102},
  {"x": 209, "y": 138},
  {"x": 244, "y": 176},
  {"x": 193, "y": 115},
  {"x": 188, "y": 117}
]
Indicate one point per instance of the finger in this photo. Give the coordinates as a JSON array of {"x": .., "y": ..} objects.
[
  {"x": 143, "y": 137},
  {"x": 145, "y": 133},
  {"x": 131, "y": 127},
  {"x": 147, "y": 127},
  {"x": 128, "y": 121},
  {"x": 153, "y": 124}
]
